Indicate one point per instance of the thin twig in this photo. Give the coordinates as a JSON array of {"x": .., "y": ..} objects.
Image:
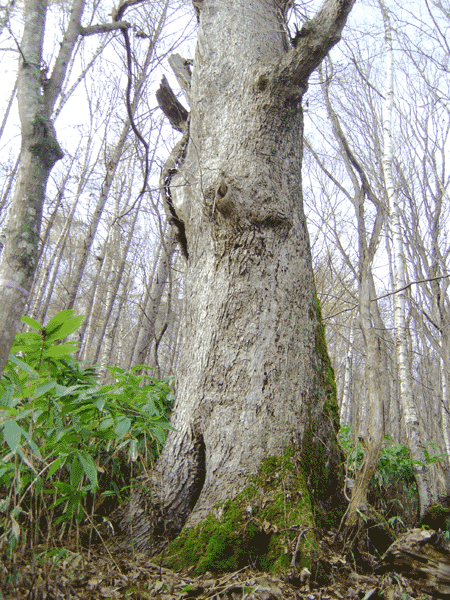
[{"x": 389, "y": 294}]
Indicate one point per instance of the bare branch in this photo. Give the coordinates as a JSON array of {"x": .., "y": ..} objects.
[
  {"x": 390, "y": 294},
  {"x": 104, "y": 28}
]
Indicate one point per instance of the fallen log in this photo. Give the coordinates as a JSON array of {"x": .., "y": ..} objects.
[{"x": 422, "y": 555}]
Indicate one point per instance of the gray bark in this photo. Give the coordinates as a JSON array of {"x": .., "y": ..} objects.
[
  {"x": 153, "y": 300},
  {"x": 251, "y": 371},
  {"x": 39, "y": 152}
]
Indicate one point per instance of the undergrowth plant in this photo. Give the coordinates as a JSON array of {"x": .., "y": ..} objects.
[
  {"x": 67, "y": 441},
  {"x": 393, "y": 489}
]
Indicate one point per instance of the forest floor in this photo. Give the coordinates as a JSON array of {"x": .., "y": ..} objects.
[{"x": 101, "y": 574}]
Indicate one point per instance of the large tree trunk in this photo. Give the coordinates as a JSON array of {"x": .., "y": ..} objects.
[{"x": 253, "y": 376}]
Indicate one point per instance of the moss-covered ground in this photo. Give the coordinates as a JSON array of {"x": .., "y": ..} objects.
[{"x": 265, "y": 526}]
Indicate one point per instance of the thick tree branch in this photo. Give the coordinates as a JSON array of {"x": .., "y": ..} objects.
[
  {"x": 118, "y": 13},
  {"x": 53, "y": 87},
  {"x": 313, "y": 42},
  {"x": 316, "y": 38},
  {"x": 182, "y": 69}
]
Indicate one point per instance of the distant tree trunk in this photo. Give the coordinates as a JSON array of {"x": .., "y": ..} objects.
[
  {"x": 37, "y": 95},
  {"x": 253, "y": 374},
  {"x": 95, "y": 311},
  {"x": 116, "y": 155},
  {"x": 376, "y": 384},
  {"x": 153, "y": 301},
  {"x": 371, "y": 422},
  {"x": 415, "y": 442},
  {"x": 43, "y": 286},
  {"x": 346, "y": 388},
  {"x": 115, "y": 280}
]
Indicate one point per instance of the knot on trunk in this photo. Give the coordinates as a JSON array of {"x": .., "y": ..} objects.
[{"x": 43, "y": 143}]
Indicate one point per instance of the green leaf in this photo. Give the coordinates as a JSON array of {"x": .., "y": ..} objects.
[
  {"x": 65, "y": 329},
  {"x": 12, "y": 434},
  {"x": 89, "y": 468},
  {"x": 76, "y": 472},
  {"x": 60, "y": 350},
  {"x": 63, "y": 488},
  {"x": 23, "y": 365},
  {"x": 32, "y": 323},
  {"x": 7, "y": 396},
  {"x": 159, "y": 435},
  {"x": 50, "y": 385},
  {"x": 100, "y": 403},
  {"x": 54, "y": 467},
  {"x": 32, "y": 444},
  {"x": 106, "y": 423},
  {"x": 58, "y": 320},
  {"x": 122, "y": 427}
]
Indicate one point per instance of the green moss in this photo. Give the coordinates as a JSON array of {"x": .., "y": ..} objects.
[
  {"x": 328, "y": 379},
  {"x": 322, "y": 459},
  {"x": 290, "y": 496},
  {"x": 259, "y": 527},
  {"x": 437, "y": 517}
]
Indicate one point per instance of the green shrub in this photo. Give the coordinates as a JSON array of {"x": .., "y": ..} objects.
[
  {"x": 393, "y": 489},
  {"x": 64, "y": 437}
]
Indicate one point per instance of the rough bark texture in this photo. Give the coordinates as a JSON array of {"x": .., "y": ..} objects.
[
  {"x": 423, "y": 556},
  {"x": 39, "y": 152},
  {"x": 253, "y": 375}
]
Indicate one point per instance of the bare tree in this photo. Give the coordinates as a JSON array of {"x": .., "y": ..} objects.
[
  {"x": 37, "y": 94},
  {"x": 415, "y": 442}
]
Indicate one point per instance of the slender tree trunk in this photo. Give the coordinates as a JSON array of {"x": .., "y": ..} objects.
[
  {"x": 415, "y": 443},
  {"x": 111, "y": 167},
  {"x": 346, "y": 388},
  {"x": 120, "y": 257},
  {"x": 8, "y": 188},
  {"x": 371, "y": 422},
  {"x": 375, "y": 387},
  {"x": 39, "y": 152},
  {"x": 42, "y": 301},
  {"x": 98, "y": 293},
  {"x": 147, "y": 328},
  {"x": 253, "y": 371}
]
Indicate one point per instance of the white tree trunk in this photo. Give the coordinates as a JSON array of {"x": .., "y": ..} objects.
[{"x": 415, "y": 443}]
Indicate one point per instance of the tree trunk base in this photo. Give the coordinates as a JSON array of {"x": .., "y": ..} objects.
[
  {"x": 269, "y": 526},
  {"x": 369, "y": 536}
]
